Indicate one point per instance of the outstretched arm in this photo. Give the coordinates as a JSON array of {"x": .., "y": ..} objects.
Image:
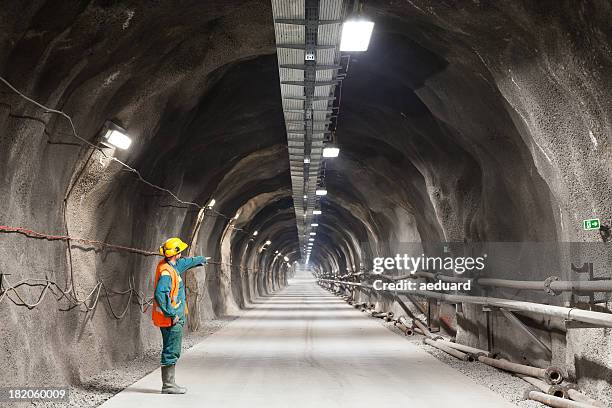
[{"x": 183, "y": 264}]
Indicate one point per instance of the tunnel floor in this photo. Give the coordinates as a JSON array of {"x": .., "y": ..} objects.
[{"x": 303, "y": 347}]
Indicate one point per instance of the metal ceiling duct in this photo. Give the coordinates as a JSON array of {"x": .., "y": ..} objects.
[{"x": 308, "y": 50}]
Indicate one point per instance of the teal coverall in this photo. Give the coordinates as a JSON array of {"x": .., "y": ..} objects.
[{"x": 173, "y": 336}]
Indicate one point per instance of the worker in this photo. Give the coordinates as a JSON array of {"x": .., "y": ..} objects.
[{"x": 170, "y": 308}]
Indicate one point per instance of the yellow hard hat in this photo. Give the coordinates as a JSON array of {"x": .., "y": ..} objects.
[{"x": 172, "y": 247}]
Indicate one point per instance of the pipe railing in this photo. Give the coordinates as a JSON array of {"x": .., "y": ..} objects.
[
  {"x": 552, "y": 285},
  {"x": 599, "y": 319}
]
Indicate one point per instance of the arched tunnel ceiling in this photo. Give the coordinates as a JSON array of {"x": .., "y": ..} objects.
[
  {"x": 212, "y": 102},
  {"x": 465, "y": 121}
]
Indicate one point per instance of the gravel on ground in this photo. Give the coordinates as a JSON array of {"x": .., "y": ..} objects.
[
  {"x": 101, "y": 387},
  {"x": 510, "y": 387}
]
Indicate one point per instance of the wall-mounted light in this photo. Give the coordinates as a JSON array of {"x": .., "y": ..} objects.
[
  {"x": 306, "y": 160},
  {"x": 321, "y": 191},
  {"x": 211, "y": 203},
  {"x": 268, "y": 242},
  {"x": 316, "y": 212},
  {"x": 356, "y": 35},
  {"x": 255, "y": 233},
  {"x": 314, "y": 225},
  {"x": 115, "y": 136},
  {"x": 286, "y": 259},
  {"x": 313, "y": 233},
  {"x": 311, "y": 239}
]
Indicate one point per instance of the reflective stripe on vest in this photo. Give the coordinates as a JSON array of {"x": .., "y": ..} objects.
[{"x": 164, "y": 268}]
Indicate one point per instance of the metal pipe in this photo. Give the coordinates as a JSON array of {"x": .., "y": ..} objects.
[
  {"x": 441, "y": 346},
  {"x": 554, "y": 390},
  {"x": 424, "y": 330},
  {"x": 344, "y": 283},
  {"x": 585, "y": 399},
  {"x": 552, "y": 284},
  {"x": 464, "y": 348},
  {"x": 415, "y": 275},
  {"x": 552, "y": 375},
  {"x": 556, "y": 401},
  {"x": 586, "y": 316},
  {"x": 582, "y": 286},
  {"x": 403, "y": 320},
  {"x": 382, "y": 315},
  {"x": 405, "y": 329}
]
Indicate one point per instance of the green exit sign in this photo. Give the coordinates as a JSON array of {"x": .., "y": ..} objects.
[{"x": 592, "y": 224}]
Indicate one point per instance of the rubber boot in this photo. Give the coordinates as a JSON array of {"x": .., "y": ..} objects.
[{"x": 168, "y": 384}]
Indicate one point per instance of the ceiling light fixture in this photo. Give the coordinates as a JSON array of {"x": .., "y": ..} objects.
[
  {"x": 321, "y": 191},
  {"x": 356, "y": 35},
  {"x": 331, "y": 151}
]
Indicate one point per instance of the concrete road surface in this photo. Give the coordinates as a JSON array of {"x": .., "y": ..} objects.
[{"x": 303, "y": 347}]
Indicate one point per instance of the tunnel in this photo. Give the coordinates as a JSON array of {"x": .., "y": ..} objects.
[{"x": 388, "y": 202}]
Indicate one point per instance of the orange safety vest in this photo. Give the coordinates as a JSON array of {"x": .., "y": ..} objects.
[{"x": 164, "y": 268}]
